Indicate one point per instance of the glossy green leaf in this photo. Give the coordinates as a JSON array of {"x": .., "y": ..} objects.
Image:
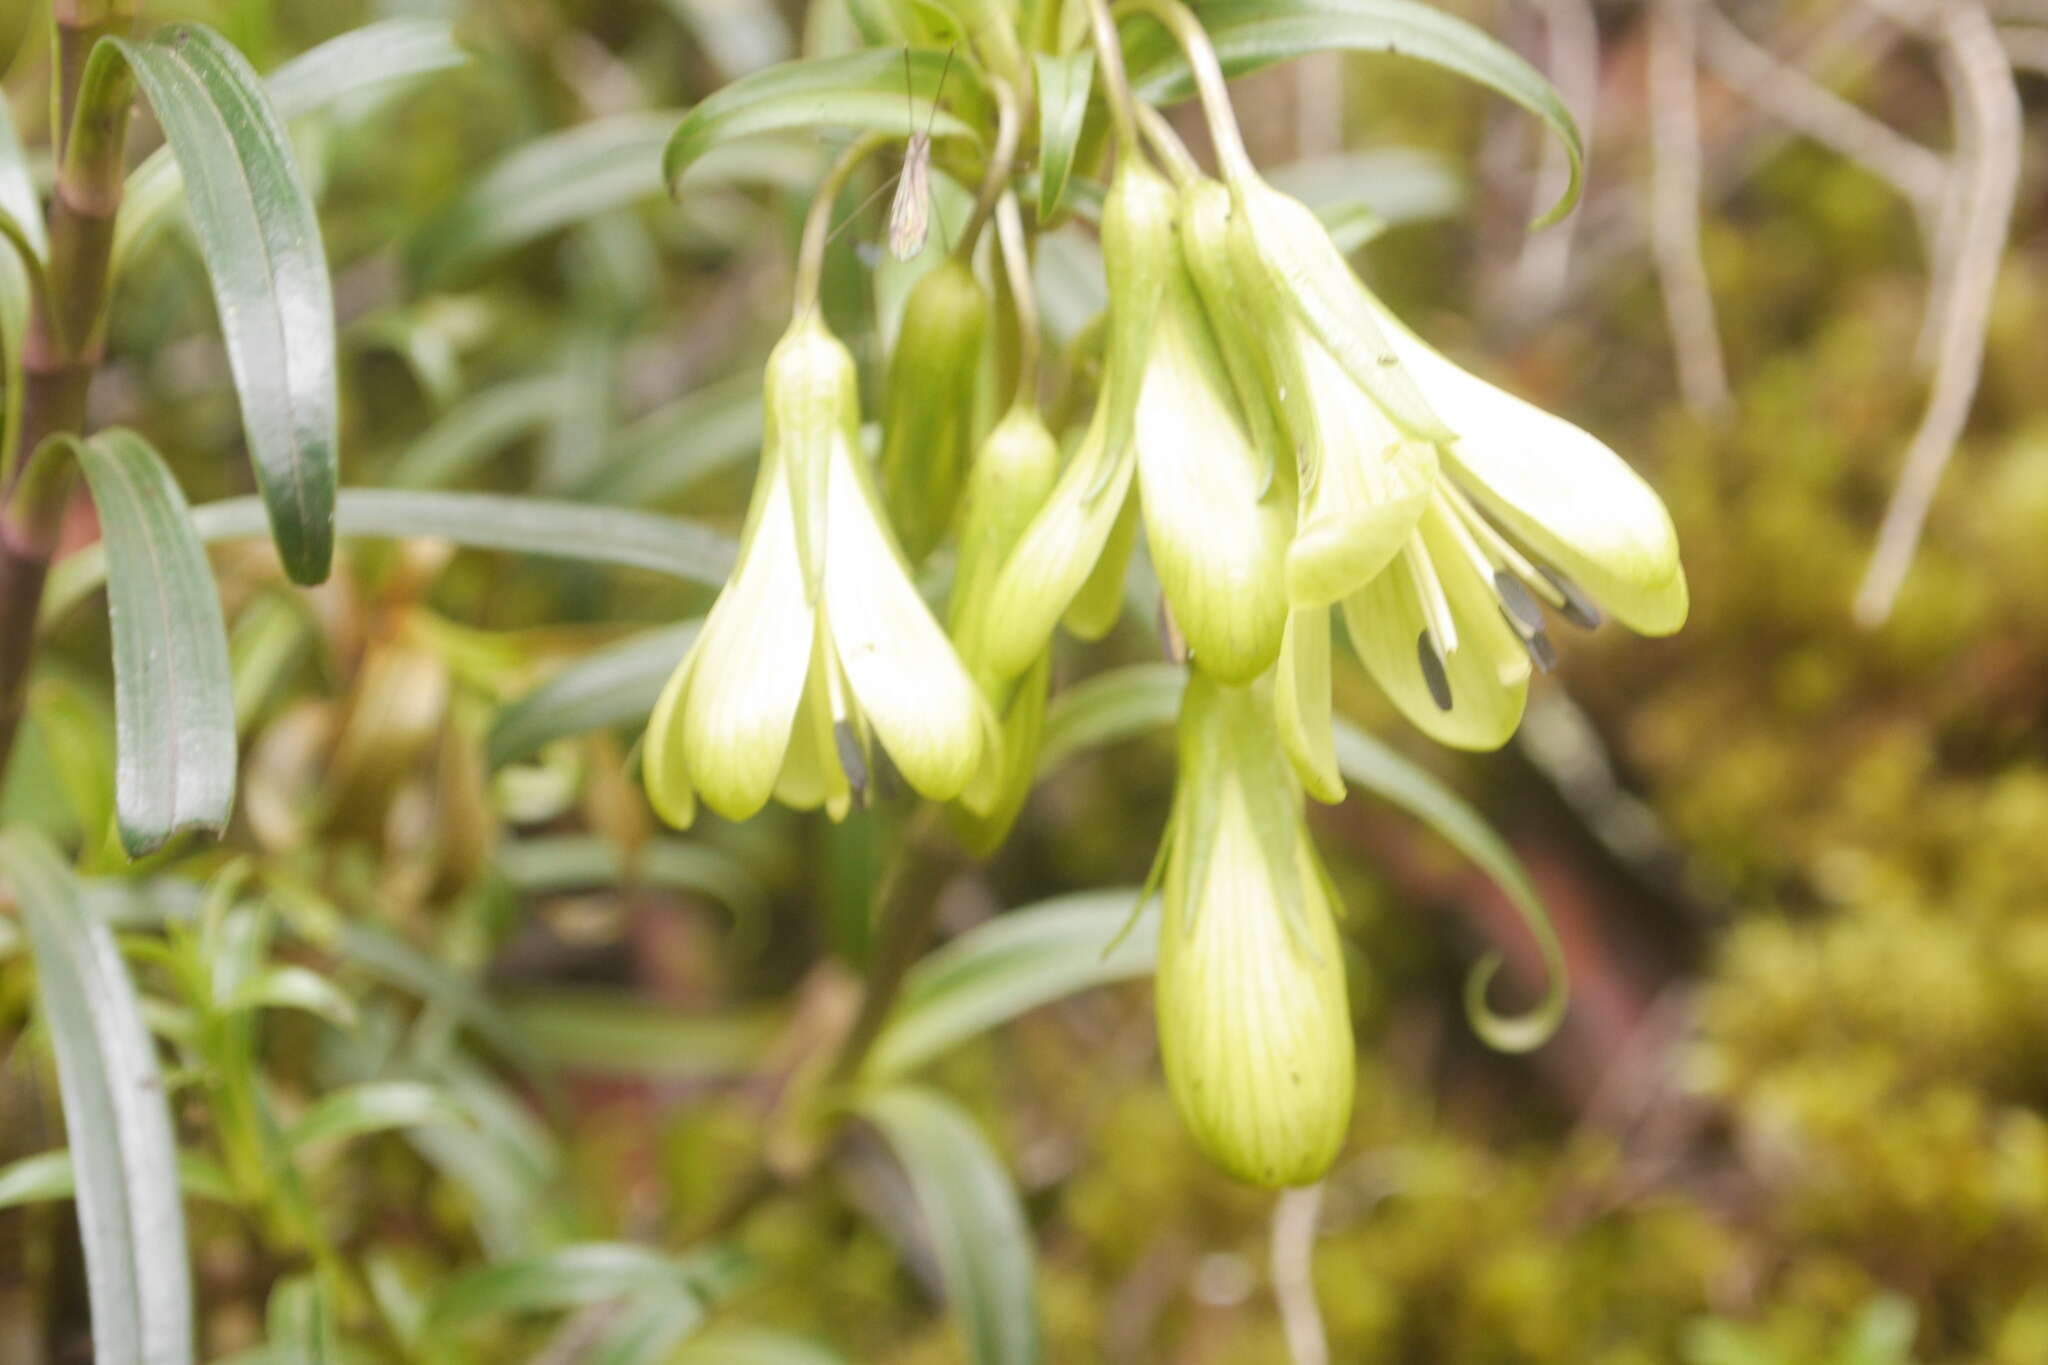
[
  {"x": 1373, "y": 766},
  {"x": 21, "y": 211},
  {"x": 1009, "y": 966},
  {"x": 130, "y": 1218},
  {"x": 573, "y": 862},
  {"x": 1109, "y": 708},
  {"x": 253, "y": 217},
  {"x": 972, "y": 1219},
  {"x": 482, "y": 521},
  {"x": 51, "y": 1175},
  {"x": 372, "y": 1107},
  {"x": 544, "y": 185},
  {"x": 876, "y": 91},
  {"x": 673, "y": 447},
  {"x": 608, "y": 1034},
  {"x": 1249, "y": 34},
  {"x": 174, "y": 702},
  {"x": 616, "y": 685},
  {"x": 1064, "y": 84},
  {"x": 570, "y": 1277},
  {"x": 377, "y": 57},
  {"x": 477, "y": 429}
]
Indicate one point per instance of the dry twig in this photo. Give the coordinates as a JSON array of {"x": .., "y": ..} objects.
[{"x": 1675, "y": 204}]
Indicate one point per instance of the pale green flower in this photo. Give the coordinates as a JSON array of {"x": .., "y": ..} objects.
[
  {"x": 1444, "y": 514},
  {"x": 1254, "y": 1023},
  {"x": 819, "y": 644}
]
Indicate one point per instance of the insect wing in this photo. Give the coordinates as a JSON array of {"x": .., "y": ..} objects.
[{"x": 910, "y": 215}]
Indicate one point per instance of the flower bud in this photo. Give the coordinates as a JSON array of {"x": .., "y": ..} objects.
[
  {"x": 1013, "y": 473},
  {"x": 928, "y": 405},
  {"x": 1254, "y": 1024}
]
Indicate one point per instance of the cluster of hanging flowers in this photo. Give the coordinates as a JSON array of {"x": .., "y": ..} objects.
[{"x": 1291, "y": 452}]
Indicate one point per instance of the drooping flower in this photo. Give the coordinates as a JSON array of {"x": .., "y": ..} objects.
[
  {"x": 1254, "y": 1024},
  {"x": 819, "y": 645},
  {"x": 1444, "y": 514}
]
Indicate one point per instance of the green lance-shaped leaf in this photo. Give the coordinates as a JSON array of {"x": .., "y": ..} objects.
[
  {"x": 1009, "y": 966},
  {"x": 1249, "y": 34},
  {"x": 373, "y": 1107},
  {"x": 49, "y": 1176},
  {"x": 1064, "y": 84},
  {"x": 754, "y": 1346},
  {"x": 875, "y": 91},
  {"x": 126, "y": 1167},
  {"x": 174, "y": 705},
  {"x": 253, "y": 216},
  {"x": 972, "y": 1217},
  {"x": 358, "y": 66},
  {"x": 1386, "y": 774},
  {"x": 611, "y": 686},
  {"x": 572, "y": 1277},
  {"x": 481, "y": 521}
]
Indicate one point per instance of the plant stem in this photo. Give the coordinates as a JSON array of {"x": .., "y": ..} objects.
[
  {"x": 818, "y": 230},
  {"x": 66, "y": 332},
  {"x": 1109, "y": 55},
  {"x": 906, "y": 903},
  {"x": 1001, "y": 161},
  {"x": 1187, "y": 30}
]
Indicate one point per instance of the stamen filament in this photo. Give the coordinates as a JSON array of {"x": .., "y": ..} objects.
[{"x": 1436, "y": 606}]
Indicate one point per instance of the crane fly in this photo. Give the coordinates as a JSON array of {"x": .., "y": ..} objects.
[{"x": 910, "y": 213}]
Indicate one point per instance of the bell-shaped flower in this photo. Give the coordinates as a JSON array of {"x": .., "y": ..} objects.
[
  {"x": 1443, "y": 513},
  {"x": 819, "y": 644},
  {"x": 1529, "y": 513},
  {"x": 1254, "y": 1024}
]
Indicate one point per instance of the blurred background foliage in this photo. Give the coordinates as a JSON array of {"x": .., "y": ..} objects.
[{"x": 1799, "y": 1112}]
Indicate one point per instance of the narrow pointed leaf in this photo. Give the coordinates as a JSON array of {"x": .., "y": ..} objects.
[
  {"x": 16, "y": 291},
  {"x": 874, "y": 91},
  {"x": 173, "y": 698},
  {"x": 373, "y": 1107},
  {"x": 569, "y": 1277},
  {"x": 130, "y": 1218},
  {"x": 1009, "y": 966},
  {"x": 972, "y": 1218},
  {"x": 616, "y": 685},
  {"x": 1378, "y": 769},
  {"x": 1249, "y": 34},
  {"x": 253, "y": 217},
  {"x": 377, "y": 57},
  {"x": 481, "y": 521},
  {"x": 1064, "y": 84},
  {"x": 48, "y": 1176}
]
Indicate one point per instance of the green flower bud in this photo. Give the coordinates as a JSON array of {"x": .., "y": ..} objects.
[
  {"x": 1012, "y": 475},
  {"x": 819, "y": 642},
  {"x": 1061, "y": 548},
  {"x": 1254, "y": 1024},
  {"x": 928, "y": 404}
]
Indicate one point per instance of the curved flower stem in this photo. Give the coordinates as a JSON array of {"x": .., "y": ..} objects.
[
  {"x": 1001, "y": 162},
  {"x": 1016, "y": 253},
  {"x": 1187, "y": 30},
  {"x": 1180, "y": 163},
  {"x": 1109, "y": 55},
  {"x": 810, "y": 260}
]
